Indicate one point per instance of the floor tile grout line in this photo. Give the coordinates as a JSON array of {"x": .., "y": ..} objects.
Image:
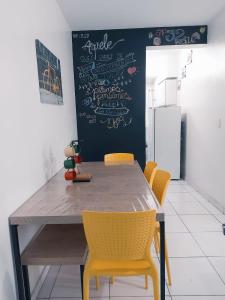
[
  {"x": 203, "y": 252},
  {"x": 183, "y": 223},
  {"x": 174, "y": 208},
  {"x": 190, "y": 231},
  {"x": 178, "y": 215},
  {"x": 215, "y": 216},
  {"x": 206, "y": 206},
  {"x": 196, "y": 200},
  {"x": 192, "y": 236},
  {"x": 207, "y": 257},
  {"x": 55, "y": 281},
  {"x": 90, "y": 297},
  {"x": 183, "y": 232},
  {"x": 198, "y": 214},
  {"x": 65, "y": 298},
  {"x": 209, "y": 213},
  {"x": 42, "y": 285},
  {"x": 194, "y": 195},
  {"x": 194, "y": 295},
  {"x": 215, "y": 268}
]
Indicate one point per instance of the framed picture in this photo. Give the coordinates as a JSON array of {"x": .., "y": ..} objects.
[{"x": 49, "y": 75}]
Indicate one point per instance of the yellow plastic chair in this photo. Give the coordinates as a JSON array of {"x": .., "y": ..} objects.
[
  {"x": 119, "y": 158},
  {"x": 149, "y": 171},
  {"x": 119, "y": 246},
  {"x": 159, "y": 186}
]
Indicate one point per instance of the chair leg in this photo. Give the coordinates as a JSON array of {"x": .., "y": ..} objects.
[
  {"x": 156, "y": 242},
  {"x": 156, "y": 287},
  {"x": 155, "y": 280},
  {"x": 112, "y": 280},
  {"x": 97, "y": 282},
  {"x": 86, "y": 286},
  {"x": 168, "y": 265},
  {"x": 146, "y": 281},
  {"x": 81, "y": 279}
]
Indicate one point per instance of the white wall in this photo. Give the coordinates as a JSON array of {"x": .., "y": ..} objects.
[
  {"x": 33, "y": 135},
  {"x": 202, "y": 96}
]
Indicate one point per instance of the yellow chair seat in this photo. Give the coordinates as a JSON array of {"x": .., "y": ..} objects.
[{"x": 119, "y": 266}]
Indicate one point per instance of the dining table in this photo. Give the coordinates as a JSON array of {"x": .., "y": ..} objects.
[{"x": 113, "y": 188}]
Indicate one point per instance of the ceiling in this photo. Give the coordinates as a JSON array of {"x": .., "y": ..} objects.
[{"x": 106, "y": 14}]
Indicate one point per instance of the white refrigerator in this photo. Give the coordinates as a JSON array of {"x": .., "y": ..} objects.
[{"x": 163, "y": 137}]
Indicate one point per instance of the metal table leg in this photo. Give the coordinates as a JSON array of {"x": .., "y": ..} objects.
[
  {"x": 18, "y": 272},
  {"x": 81, "y": 279},
  {"x": 26, "y": 282},
  {"x": 162, "y": 260}
]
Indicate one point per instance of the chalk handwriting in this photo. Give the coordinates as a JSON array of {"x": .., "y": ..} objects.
[
  {"x": 111, "y": 92},
  {"x": 93, "y": 71},
  {"x": 105, "y": 57},
  {"x": 115, "y": 123},
  {"x": 118, "y": 64},
  {"x": 195, "y": 37},
  {"x": 114, "y": 112},
  {"x": 87, "y": 101},
  {"x": 86, "y": 59},
  {"x": 176, "y": 36},
  {"x": 103, "y": 45}
]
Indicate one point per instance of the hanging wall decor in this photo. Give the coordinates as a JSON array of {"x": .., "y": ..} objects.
[{"x": 49, "y": 75}]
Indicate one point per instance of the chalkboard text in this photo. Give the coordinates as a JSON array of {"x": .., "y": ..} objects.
[{"x": 103, "y": 45}]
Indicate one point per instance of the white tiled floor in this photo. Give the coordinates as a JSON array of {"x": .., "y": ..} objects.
[{"x": 196, "y": 249}]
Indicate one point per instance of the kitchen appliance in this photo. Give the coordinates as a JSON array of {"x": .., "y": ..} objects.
[{"x": 163, "y": 137}]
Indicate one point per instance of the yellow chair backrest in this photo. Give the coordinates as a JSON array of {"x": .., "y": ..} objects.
[
  {"x": 121, "y": 158},
  {"x": 149, "y": 171},
  {"x": 120, "y": 235},
  {"x": 160, "y": 184}
]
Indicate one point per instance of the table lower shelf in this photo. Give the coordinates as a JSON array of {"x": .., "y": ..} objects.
[{"x": 57, "y": 244}]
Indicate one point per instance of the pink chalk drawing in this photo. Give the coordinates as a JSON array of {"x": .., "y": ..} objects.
[{"x": 131, "y": 70}]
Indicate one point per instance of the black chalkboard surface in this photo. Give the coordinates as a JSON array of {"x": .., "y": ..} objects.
[
  {"x": 109, "y": 72},
  {"x": 109, "y": 68}
]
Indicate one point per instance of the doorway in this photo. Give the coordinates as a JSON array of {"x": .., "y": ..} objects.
[{"x": 165, "y": 70}]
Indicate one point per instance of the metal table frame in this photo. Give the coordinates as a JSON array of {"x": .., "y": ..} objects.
[{"x": 21, "y": 272}]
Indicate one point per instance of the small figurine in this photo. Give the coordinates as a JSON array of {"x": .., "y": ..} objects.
[
  {"x": 69, "y": 163},
  {"x": 72, "y": 163}
]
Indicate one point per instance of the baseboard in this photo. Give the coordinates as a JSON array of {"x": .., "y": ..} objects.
[
  {"x": 209, "y": 198},
  {"x": 39, "y": 283}
]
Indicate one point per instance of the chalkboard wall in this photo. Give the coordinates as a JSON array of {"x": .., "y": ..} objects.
[{"x": 109, "y": 72}]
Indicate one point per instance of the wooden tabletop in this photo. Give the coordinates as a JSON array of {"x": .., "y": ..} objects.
[{"x": 112, "y": 188}]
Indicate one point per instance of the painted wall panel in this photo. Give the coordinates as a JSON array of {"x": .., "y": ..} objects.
[{"x": 109, "y": 70}]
